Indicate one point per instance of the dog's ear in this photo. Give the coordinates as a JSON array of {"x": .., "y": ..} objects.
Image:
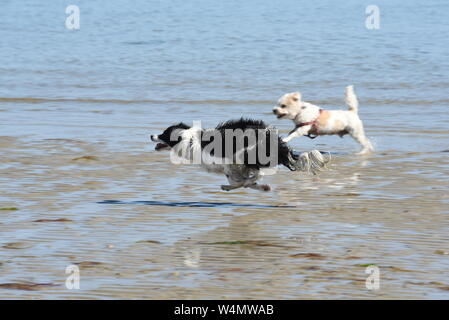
[
  {"x": 296, "y": 96},
  {"x": 182, "y": 125}
]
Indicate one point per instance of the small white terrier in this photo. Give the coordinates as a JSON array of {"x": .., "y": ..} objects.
[{"x": 312, "y": 121}]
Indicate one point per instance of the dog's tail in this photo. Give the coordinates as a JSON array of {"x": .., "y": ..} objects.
[
  {"x": 313, "y": 161},
  {"x": 351, "y": 99}
]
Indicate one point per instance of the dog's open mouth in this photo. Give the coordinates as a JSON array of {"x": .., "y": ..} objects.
[
  {"x": 161, "y": 146},
  {"x": 280, "y": 115}
]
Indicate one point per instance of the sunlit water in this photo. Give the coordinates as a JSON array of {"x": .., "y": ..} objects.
[{"x": 140, "y": 227}]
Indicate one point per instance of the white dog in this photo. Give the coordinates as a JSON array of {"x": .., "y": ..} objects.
[{"x": 312, "y": 121}]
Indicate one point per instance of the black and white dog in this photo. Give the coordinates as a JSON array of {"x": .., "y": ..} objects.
[{"x": 241, "y": 149}]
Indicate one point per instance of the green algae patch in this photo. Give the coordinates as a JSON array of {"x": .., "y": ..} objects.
[{"x": 365, "y": 265}]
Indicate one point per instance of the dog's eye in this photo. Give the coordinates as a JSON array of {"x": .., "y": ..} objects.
[
  {"x": 303, "y": 107},
  {"x": 283, "y": 106}
]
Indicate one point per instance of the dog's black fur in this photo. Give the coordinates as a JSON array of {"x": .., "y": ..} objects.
[
  {"x": 285, "y": 155},
  {"x": 167, "y": 134}
]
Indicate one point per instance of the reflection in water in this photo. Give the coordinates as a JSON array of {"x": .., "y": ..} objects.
[{"x": 192, "y": 257}]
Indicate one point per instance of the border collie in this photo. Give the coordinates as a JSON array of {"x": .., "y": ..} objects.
[{"x": 243, "y": 150}]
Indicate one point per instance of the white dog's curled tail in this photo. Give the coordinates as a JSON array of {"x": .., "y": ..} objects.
[{"x": 351, "y": 99}]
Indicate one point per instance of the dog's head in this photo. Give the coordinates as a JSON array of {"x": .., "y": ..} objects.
[
  {"x": 290, "y": 106},
  {"x": 170, "y": 137}
]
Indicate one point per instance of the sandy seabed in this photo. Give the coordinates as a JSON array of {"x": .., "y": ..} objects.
[{"x": 140, "y": 227}]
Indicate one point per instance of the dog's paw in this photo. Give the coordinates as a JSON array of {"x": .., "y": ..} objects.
[
  {"x": 226, "y": 188},
  {"x": 364, "y": 152}
]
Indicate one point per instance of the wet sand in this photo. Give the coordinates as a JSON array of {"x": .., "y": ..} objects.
[{"x": 140, "y": 227}]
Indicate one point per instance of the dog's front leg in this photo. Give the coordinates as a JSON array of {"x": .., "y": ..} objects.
[
  {"x": 297, "y": 132},
  {"x": 230, "y": 187}
]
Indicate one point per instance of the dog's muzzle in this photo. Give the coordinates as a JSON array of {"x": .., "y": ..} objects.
[
  {"x": 161, "y": 145},
  {"x": 278, "y": 113}
]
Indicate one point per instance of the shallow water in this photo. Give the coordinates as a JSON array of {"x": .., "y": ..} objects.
[{"x": 140, "y": 227}]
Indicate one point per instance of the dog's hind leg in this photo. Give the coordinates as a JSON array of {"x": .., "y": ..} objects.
[{"x": 359, "y": 136}]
